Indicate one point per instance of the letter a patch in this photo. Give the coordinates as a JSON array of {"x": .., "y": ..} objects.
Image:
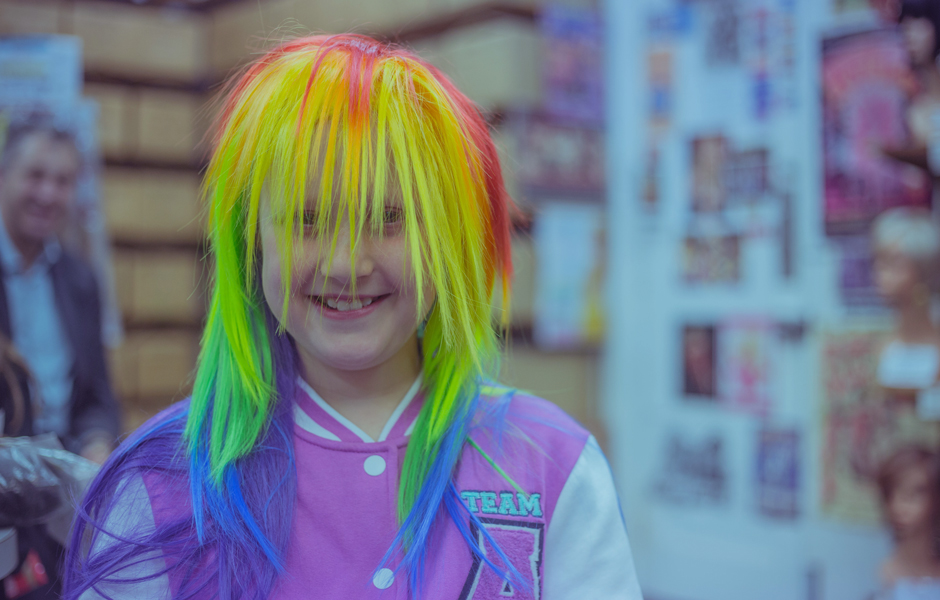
[{"x": 521, "y": 542}]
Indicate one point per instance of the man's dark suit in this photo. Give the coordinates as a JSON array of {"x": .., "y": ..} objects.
[{"x": 92, "y": 407}]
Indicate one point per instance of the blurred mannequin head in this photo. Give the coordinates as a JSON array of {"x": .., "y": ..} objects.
[
  {"x": 39, "y": 166},
  {"x": 920, "y": 24},
  {"x": 909, "y": 483},
  {"x": 907, "y": 253}
]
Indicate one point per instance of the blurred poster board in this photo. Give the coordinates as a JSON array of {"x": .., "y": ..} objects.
[
  {"x": 709, "y": 155},
  {"x": 857, "y": 286},
  {"x": 778, "y": 473},
  {"x": 865, "y": 89},
  {"x": 860, "y": 426},
  {"x": 573, "y": 63},
  {"x": 43, "y": 75},
  {"x": 699, "y": 362},
  {"x": 694, "y": 471},
  {"x": 556, "y": 158},
  {"x": 569, "y": 248},
  {"x": 747, "y": 352},
  {"x": 713, "y": 259}
]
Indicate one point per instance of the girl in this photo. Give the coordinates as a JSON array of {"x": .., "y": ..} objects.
[{"x": 342, "y": 439}]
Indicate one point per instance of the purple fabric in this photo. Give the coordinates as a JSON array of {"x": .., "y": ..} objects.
[
  {"x": 344, "y": 519},
  {"x": 223, "y": 560}
]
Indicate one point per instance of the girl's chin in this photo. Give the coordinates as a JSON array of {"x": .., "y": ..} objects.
[{"x": 357, "y": 358}]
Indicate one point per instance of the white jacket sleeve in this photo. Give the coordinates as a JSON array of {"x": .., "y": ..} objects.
[
  {"x": 132, "y": 513},
  {"x": 587, "y": 553}
]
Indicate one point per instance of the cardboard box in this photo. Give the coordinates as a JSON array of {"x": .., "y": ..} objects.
[
  {"x": 136, "y": 415},
  {"x": 123, "y": 261},
  {"x": 151, "y": 370},
  {"x": 238, "y": 32},
  {"x": 449, "y": 5},
  {"x": 167, "y": 125},
  {"x": 365, "y": 16},
  {"x": 568, "y": 380},
  {"x": 165, "y": 364},
  {"x": 29, "y": 16},
  {"x": 166, "y": 287},
  {"x": 140, "y": 41},
  {"x": 115, "y": 119},
  {"x": 159, "y": 286},
  {"x": 496, "y": 64},
  {"x": 152, "y": 206},
  {"x": 122, "y": 362}
]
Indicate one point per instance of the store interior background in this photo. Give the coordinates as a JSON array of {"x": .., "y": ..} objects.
[{"x": 706, "y": 520}]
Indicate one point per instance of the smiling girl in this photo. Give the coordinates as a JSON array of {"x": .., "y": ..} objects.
[{"x": 345, "y": 438}]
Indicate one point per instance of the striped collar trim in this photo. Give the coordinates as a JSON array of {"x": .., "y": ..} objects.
[{"x": 314, "y": 415}]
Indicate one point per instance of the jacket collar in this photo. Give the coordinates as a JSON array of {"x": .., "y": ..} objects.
[{"x": 314, "y": 415}]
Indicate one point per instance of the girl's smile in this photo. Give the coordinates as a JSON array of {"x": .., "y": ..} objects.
[{"x": 343, "y": 308}]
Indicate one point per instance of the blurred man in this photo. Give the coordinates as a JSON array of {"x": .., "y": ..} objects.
[
  {"x": 50, "y": 319},
  {"x": 49, "y": 304}
]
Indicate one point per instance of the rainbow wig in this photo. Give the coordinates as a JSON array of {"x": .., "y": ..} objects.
[{"x": 366, "y": 122}]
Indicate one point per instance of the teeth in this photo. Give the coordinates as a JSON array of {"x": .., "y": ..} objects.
[{"x": 342, "y": 305}]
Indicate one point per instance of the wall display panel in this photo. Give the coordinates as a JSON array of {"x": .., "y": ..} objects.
[
  {"x": 865, "y": 91},
  {"x": 572, "y": 62},
  {"x": 778, "y": 475},
  {"x": 717, "y": 132},
  {"x": 570, "y": 270},
  {"x": 861, "y": 424}
]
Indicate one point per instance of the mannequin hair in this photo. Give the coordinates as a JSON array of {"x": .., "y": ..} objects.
[
  {"x": 923, "y": 9},
  {"x": 912, "y": 232},
  {"x": 901, "y": 462}
]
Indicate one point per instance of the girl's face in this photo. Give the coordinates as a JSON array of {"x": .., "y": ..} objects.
[
  {"x": 911, "y": 505},
  {"x": 332, "y": 327}
]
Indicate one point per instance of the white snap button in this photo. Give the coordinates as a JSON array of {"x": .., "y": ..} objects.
[
  {"x": 375, "y": 465},
  {"x": 384, "y": 578}
]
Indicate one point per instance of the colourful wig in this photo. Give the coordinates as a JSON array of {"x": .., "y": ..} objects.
[{"x": 363, "y": 122}]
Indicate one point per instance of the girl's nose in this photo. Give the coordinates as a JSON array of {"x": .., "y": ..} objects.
[{"x": 346, "y": 261}]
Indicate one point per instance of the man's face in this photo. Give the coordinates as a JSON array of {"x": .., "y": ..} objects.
[{"x": 37, "y": 187}]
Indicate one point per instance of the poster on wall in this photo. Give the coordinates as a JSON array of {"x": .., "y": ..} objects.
[
  {"x": 699, "y": 362},
  {"x": 777, "y": 473},
  {"x": 722, "y": 45},
  {"x": 661, "y": 86},
  {"x": 652, "y": 179},
  {"x": 857, "y": 287},
  {"x": 860, "y": 426},
  {"x": 573, "y": 64},
  {"x": 556, "y": 157},
  {"x": 747, "y": 352},
  {"x": 865, "y": 87},
  {"x": 714, "y": 259},
  {"x": 569, "y": 275},
  {"x": 694, "y": 472},
  {"x": 768, "y": 49},
  {"x": 709, "y": 155}
]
